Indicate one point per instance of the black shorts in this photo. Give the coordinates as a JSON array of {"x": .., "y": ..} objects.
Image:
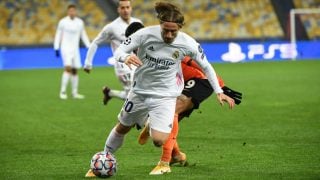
[{"x": 198, "y": 90}]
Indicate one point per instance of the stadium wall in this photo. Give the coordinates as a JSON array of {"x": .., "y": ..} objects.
[{"x": 218, "y": 52}]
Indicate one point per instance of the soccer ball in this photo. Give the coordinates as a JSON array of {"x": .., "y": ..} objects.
[{"x": 103, "y": 164}]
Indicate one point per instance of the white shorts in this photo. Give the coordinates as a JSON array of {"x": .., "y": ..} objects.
[
  {"x": 160, "y": 110},
  {"x": 71, "y": 59}
]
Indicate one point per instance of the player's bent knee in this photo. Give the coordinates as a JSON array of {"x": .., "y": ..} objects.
[
  {"x": 158, "y": 143},
  {"x": 74, "y": 71},
  {"x": 158, "y": 138},
  {"x": 68, "y": 69}
]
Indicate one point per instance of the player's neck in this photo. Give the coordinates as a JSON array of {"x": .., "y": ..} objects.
[{"x": 126, "y": 20}]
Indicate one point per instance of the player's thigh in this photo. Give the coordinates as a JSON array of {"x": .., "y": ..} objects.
[
  {"x": 161, "y": 113},
  {"x": 133, "y": 110},
  {"x": 184, "y": 103},
  {"x": 66, "y": 59},
  {"x": 76, "y": 61},
  {"x": 198, "y": 90}
]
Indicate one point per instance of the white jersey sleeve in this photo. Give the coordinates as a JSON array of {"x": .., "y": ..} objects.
[
  {"x": 57, "y": 38},
  {"x": 198, "y": 55},
  {"x": 102, "y": 37},
  {"x": 113, "y": 32},
  {"x": 84, "y": 36}
]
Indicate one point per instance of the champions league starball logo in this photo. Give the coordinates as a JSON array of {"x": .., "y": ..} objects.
[{"x": 127, "y": 41}]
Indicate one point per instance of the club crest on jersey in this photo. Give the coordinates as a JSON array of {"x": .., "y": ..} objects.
[{"x": 175, "y": 55}]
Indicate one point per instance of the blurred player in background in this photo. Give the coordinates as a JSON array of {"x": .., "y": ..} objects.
[
  {"x": 115, "y": 33},
  {"x": 67, "y": 39},
  {"x": 158, "y": 78}
]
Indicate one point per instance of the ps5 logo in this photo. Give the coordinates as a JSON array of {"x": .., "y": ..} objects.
[{"x": 235, "y": 54}]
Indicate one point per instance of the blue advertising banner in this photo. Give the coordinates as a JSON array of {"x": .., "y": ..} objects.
[
  {"x": 261, "y": 51},
  {"x": 218, "y": 52}
]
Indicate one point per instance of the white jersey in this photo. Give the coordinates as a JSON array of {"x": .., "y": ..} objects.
[
  {"x": 68, "y": 36},
  {"x": 113, "y": 32},
  {"x": 161, "y": 74}
]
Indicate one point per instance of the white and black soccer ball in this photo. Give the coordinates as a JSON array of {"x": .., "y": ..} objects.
[{"x": 103, "y": 164}]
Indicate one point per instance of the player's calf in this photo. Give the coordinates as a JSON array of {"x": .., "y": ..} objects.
[{"x": 144, "y": 135}]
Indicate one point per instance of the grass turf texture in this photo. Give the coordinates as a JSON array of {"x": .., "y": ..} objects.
[{"x": 273, "y": 134}]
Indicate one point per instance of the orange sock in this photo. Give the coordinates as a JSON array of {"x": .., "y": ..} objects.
[
  {"x": 176, "y": 149},
  {"x": 168, "y": 146}
]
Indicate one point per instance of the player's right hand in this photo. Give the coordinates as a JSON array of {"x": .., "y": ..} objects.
[
  {"x": 134, "y": 60},
  {"x": 87, "y": 68},
  {"x": 57, "y": 53}
]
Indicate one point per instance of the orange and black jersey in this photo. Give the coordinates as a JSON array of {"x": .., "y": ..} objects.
[{"x": 190, "y": 69}]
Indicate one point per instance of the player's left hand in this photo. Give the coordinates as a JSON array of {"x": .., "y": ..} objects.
[
  {"x": 235, "y": 95},
  {"x": 222, "y": 98},
  {"x": 132, "y": 60},
  {"x": 57, "y": 53}
]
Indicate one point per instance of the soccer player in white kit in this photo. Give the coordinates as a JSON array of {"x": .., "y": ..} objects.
[
  {"x": 70, "y": 30},
  {"x": 158, "y": 79},
  {"x": 115, "y": 33}
]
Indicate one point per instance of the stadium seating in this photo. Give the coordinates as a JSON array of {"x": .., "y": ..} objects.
[
  {"x": 220, "y": 19},
  {"x": 34, "y": 22},
  {"x": 310, "y": 21}
]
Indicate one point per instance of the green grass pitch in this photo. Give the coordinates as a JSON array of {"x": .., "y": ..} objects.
[{"x": 273, "y": 134}]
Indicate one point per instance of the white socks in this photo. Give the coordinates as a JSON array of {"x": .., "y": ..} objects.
[
  {"x": 74, "y": 84},
  {"x": 118, "y": 94},
  {"x": 114, "y": 141},
  {"x": 66, "y": 76},
  {"x": 64, "y": 81}
]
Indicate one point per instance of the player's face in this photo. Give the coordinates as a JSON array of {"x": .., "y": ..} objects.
[
  {"x": 72, "y": 12},
  {"x": 125, "y": 10},
  {"x": 169, "y": 31}
]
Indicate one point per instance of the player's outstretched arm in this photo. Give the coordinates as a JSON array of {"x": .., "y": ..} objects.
[{"x": 102, "y": 37}]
